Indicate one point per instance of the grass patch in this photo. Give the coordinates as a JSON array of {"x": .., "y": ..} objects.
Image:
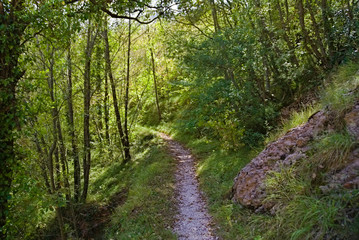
[
  {"x": 343, "y": 90},
  {"x": 283, "y": 186},
  {"x": 331, "y": 151},
  {"x": 149, "y": 210},
  {"x": 296, "y": 119}
]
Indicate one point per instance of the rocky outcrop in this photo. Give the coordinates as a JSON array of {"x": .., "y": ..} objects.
[{"x": 249, "y": 188}]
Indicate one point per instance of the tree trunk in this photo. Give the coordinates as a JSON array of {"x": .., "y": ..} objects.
[
  {"x": 87, "y": 98},
  {"x": 60, "y": 221},
  {"x": 56, "y": 135},
  {"x": 113, "y": 87},
  {"x": 42, "y": 163},
  {"x": 155, "y": 85},
  {"x": 312, "y": 50},
  {"x": 318, "y": 39},
  {"x": 214, "y": 16},
  {"x": 126, "y": 146},
  {"x": 327, "y": 28},
  {"x": 106, "y": 111},
  {"x": 286, "y": 33},
  {"x": 74, "y": 151},
  {"x": 63, "y": 159}
]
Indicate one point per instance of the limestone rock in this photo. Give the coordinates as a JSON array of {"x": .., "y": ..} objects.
[{"x": 249, "y": 188}]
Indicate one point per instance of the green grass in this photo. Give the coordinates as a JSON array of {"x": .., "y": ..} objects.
[
  {"x": 283, "y": 186},
  {"x": 296, "y": 119},
  {"x": 149, "y": 209},
  {"x": 331, "y": 151},
  {"x": 339, "y": 94},
  {"x": 342, "y": 91}
]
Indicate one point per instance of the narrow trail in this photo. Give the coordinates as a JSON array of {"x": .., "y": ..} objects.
[{"x": 193, "y": 221}]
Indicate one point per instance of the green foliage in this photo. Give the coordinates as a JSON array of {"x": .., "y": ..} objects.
[
  {"x": 229, "y": 79},
  {"x": 31, "y": 206},
  {"x": 257, "y": 59}
]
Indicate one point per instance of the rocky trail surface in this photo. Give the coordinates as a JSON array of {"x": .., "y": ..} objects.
[{"x": 193, "y": 221}]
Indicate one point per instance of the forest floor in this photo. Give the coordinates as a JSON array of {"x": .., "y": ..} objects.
[{"x": 192, "y": 220}]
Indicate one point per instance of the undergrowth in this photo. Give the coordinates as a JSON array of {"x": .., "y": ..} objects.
[
  {"x": 303, "y": 211},
  {"x": 131, "y": 201}
]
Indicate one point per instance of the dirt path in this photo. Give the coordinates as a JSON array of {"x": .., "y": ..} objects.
[{"x": 193, "y": 221}]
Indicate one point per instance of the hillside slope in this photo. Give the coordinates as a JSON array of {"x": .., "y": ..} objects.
[
  {"x": 302, "y": 185},
  {"x": 309, "y": 177}
]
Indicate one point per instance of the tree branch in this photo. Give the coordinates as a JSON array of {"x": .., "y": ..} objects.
[{"x": 114, "y": 15}]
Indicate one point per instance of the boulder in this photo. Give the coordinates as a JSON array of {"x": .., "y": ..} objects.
[{"x": 249, "y": 188}]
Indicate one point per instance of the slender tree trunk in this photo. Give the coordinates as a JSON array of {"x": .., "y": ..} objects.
[
  {"x": 87, "y": 98},
  {"x": 126, "y": 147},
  {"x": 155, "y": 85},
  {"x": 98, "y": 118},
  {"x": 50, "y": 188},
  {"x": 63, "y": 159},
  {"x": 106, "y": 110},
  {"x": 318, "y": 38},
  {"x": 214, "y": 16},
  {"x": 56, "y": 131},
  {"x": 113, "y": 87},
  {"x": 286, "y": 33},
  {"x": 43, "y": 162},
  {"x": 327, "y": 28},
  {"x": 308, "y": 43},
  {"x": 50, "y": 162},
  {"x": 60, "y": 221},
  {"x": 74, "y": 151},
  {"x": 87, "y": 150}
]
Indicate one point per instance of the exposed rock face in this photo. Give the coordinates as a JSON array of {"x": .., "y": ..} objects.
[{"x": 249, "y": 189}]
